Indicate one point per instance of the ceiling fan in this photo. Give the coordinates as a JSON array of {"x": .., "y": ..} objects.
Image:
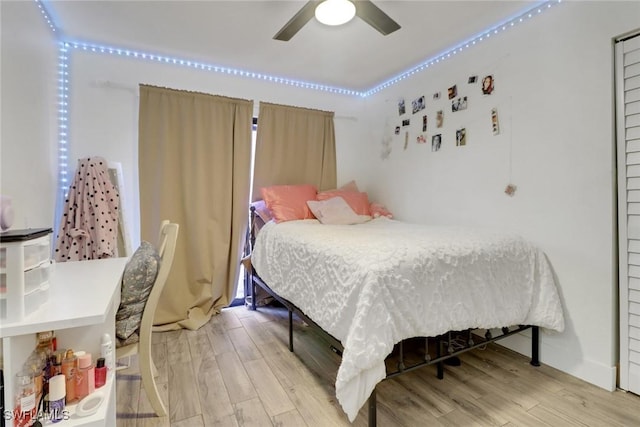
[{"x": 364, "y": 9}]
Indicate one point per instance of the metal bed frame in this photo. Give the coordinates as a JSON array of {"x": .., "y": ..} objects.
[{"x": 447, "y": 345}]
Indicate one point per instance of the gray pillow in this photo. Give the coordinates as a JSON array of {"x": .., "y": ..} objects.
[{"x": 137, "y": 281}]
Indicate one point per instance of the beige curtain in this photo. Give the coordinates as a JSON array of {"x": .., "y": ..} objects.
[
  {"x": 194, "y": 165},
  {"x": 294, "y": 146}
]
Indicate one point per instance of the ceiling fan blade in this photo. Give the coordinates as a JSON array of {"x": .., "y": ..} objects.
[
  {"x": 374, "y": 16},
  {"x": 298, "y": 21}
]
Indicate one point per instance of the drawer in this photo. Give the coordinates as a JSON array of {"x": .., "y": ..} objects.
[
  {"x": 35, "y": 299},
  {"x": 31, "y": 301},
  {"x": 33, "y": 278},
  {"x": 36, "y": 254},
  {"x": 36, "y": 277}
]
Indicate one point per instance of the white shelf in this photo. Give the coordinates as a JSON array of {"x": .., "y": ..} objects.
[
  {"x": 80, "y": 294},
  {"x": 84, "y": 297},
  {"x": 97, "y": 419}
]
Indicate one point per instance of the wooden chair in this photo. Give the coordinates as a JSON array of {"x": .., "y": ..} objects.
[{"x": 166, "y": 248}]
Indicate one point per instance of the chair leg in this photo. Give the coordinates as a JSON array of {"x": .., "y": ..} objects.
[{"x": 147, "y": 369}]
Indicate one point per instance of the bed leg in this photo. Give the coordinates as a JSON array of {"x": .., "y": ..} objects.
[
  {"x": 535, "y": 346},
  {"x": 372, "y": 409},
  {"x": 439, "y": 365},
  {"x": 253, "y": 295},
  {"x": 291, "y": 331}
]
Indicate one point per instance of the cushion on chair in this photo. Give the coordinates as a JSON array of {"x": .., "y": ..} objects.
[
  {"x": 133, "y": 338},
  {"x": 137, "y": 281}
]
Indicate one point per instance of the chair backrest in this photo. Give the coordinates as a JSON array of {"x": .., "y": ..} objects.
[{"x": 166, "y": 247}]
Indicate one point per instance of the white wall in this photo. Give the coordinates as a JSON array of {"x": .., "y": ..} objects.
[
  {"x": 104, "y": 108},
  {"x": 28, "y": 114},
  {"x": 554, "y": 92}
]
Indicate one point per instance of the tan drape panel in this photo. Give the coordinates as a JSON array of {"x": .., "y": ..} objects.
[
  {"x": 194, "y": 165},
  {"x": 294, "y": 146}
]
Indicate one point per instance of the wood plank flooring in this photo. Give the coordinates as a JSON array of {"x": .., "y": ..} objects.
[{"x": 237, "y": 371}]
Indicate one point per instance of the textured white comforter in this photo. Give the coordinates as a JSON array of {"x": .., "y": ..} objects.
[{"x": 374, "y": 284}]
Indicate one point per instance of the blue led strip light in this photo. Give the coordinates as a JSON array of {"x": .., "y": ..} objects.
[
  {"x": 63, "y": 113},
  {"x": 67, "y": 45},
  {"x": 47, "y": 17},
  {"x": 298, "y": 83},
  {"x": 89, "y": 47},
  {"x": 487, "y": 34}
]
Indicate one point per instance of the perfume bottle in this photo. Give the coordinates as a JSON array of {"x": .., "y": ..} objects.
[
  {"x": 101, "y": 373},
  {"x": 69, "y": 366},
  {"x": 85, "y": 376},
  {"x": 55, "y": 367}
]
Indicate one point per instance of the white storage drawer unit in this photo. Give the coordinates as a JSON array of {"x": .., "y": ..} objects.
[
  {"x": 82, "y": 307},
  {"x": 25, "y": 268}
]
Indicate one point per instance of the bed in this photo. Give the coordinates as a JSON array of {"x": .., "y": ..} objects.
[{"x": 373, "y": 285}]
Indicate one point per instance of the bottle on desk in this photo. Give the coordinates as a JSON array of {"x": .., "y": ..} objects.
[
  {"x": 85, "y": 376},
  {"x": 24, "y": 404},
  {"x": 106, "y": 351},
  {"x": 55, "y": 363},
  {"x": 69, "y": 366},
  {"x": 56, "y": 398},
  {"x": 100, "y": 372}
]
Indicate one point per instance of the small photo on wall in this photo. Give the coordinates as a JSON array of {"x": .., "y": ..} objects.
[
  {"x": 495, "y": 126},
  {"x": 439, "y": 118},
  {"x": 424, "y": 123},
  {"x": 436, "y": 96},
  {"x": 436, "y": 141},
  {"x": 472, "y": 80},
  {"x": 459, "y": 104},
  {"x": 397, "y": 131},
  {"x": 406, "y": 122},
  {"x": 461, "y": 137},
  {"x": 417, "y": 104},
  {"x": 487, "y": 85},
  {"x": 453, "y": 91},
  {"x": 421, "y": 139},
  {"x": 401, "y": 107}
]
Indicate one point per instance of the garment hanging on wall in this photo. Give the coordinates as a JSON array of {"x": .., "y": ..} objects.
[{"x": 89, "y": 224}]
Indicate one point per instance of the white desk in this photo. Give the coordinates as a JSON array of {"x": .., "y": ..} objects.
[{"x": 84, "y": 297}]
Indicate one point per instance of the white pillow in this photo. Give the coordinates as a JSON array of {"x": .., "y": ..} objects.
[{"x": 335, "y": 211}]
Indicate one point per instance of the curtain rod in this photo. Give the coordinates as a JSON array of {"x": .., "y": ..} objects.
[{"x": 108, "y": 84}]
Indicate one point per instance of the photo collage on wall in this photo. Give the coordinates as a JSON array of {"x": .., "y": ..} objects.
[{"x": 459, "y": 96}]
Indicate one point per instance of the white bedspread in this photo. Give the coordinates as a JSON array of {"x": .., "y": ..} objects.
[{"x": 372, "y": 285}]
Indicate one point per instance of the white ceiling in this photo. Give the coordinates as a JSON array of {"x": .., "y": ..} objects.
[{"x": 238, "y": 34}]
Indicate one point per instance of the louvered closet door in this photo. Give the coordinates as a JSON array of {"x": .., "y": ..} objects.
[{"x": 628, "y": 147}]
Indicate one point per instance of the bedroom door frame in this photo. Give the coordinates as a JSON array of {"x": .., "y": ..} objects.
[{"x": 627, "y": 101}]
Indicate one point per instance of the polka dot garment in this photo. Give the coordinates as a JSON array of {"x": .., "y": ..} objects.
[{"x": 89, "y": 223}]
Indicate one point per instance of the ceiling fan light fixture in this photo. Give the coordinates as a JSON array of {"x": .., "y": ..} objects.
[{"x": 335, "y": 12}]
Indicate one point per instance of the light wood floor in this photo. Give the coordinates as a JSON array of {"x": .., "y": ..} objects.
[{"x": 237, "y": 371}]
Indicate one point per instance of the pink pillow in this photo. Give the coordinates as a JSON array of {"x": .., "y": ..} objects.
[
  {"x": 350, "y": 186},
  {"x": 289, "y": 202},
  {"x": 378, "y": 210},
  {"x": 359, "y": 202}
]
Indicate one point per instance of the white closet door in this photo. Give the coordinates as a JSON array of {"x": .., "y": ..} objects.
[{"x": 628, "y": 147}]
